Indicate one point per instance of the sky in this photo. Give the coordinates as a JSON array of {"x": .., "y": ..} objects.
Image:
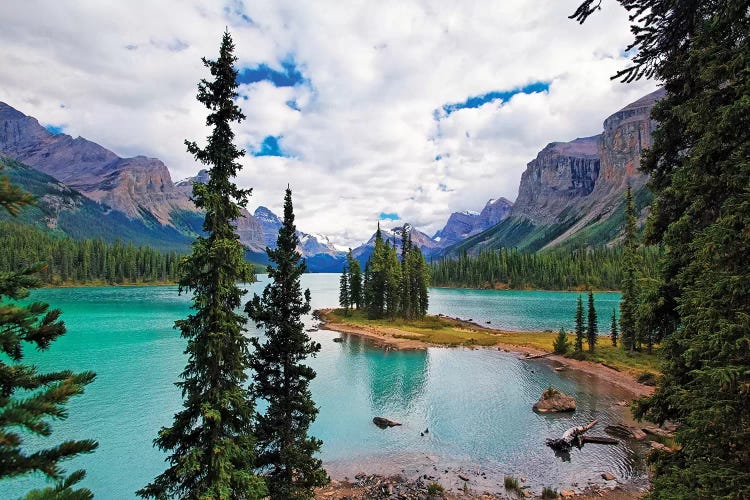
[{"x": 400, "y": 111}]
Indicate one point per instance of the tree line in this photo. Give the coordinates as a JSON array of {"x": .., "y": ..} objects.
[
  {"x": 390, "y": 286},
  {"x": 598, "y": 268},
  {"x": 69, "y": 261}
]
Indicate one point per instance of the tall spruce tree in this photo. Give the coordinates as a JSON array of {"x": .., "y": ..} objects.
[
  {"x": 211, "y": 440},
  {"x": 580, "y": 326},
  {"x": 698, "y": 166},
  {"x": 30, "y": 400},
  {"x": 613, "y": 328},
  {"x": 285, "y": 451},
  {"x": 592, "y": 331},
  {"x": 628, "y": 303},
  {"x": 344, "y": 291},
  {"x": 355, "y": 280}
]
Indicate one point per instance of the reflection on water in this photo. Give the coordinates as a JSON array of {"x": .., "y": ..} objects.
[
  {"x": 476, "y": 403},
  {"x": 397, "y": 379}
]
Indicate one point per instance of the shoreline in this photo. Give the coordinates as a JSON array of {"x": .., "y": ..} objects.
[{"x": 393, "y": 338}]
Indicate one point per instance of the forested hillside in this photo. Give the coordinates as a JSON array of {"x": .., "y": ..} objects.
[
  {"x": 69, "y": 261},
  {"x": 598, "y": 268}
]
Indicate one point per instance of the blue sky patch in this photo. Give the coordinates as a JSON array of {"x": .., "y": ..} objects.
[
  {"x": 55, "y": 129},
  {"x": 270, "y": 147},
  {"x": 289, "y": 76},
  {"x": 495, "y": 95},
  {"x": 389, "y": 216}
]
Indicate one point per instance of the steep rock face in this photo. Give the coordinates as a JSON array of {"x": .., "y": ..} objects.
[
  {"x": 573, "y": 192},
  {"x": 560, "y": 174},
  {"x": 140, "y": 187},
  {"x": 462, "y": 225}
]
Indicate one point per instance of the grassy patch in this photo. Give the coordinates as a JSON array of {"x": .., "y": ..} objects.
[
  {"x": 450, "y": 332},
  {"x": 511, "y": 484},
  {"x": 431, "y": 329}
]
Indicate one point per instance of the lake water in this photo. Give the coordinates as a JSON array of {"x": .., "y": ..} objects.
[{"x": 476, "y": 403}]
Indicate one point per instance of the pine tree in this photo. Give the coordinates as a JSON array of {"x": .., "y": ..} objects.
[
  {"x": 592, "y": 332},
  {"x": 211, "y": 440},
  {"x": 355, "y": 280},
  {"x": 613, "y": 329},
  {"x": 30, "y": 400},
  {"x": 285, "y": 451},
  {"x": 344, "y": 291},
  {"x": 698, "y": 167},
  {"x": 628, "y": 303},
  {"x": 560, "y": 344},
  {"x": 580, "y": 328}
]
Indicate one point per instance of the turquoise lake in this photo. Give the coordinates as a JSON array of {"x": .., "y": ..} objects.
[{"x": 476, "y": 403}]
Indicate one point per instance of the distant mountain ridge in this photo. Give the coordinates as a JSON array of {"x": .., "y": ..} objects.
[
  {"x": 462, "y": 225},
  {"x": 135, "y": 196}
]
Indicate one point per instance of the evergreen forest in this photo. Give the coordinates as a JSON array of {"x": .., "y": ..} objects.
[{"x": 68, "y": 261}]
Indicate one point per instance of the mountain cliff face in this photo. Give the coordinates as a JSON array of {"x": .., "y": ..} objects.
[
  {"x": 63, "y": 210},
  {"x": 139, "y": 187},
  {"x": 572, "y": 193},
  {"x": 562, "y": 173},
  {"x": 461, "y": 225}
]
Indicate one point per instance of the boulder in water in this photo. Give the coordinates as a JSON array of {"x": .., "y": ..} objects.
[
  {"x": 384, "y": 423},
  {"x": 554, "y": 401}
]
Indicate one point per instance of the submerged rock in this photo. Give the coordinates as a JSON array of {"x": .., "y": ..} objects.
[
  {"x": 383, "y": 422},
  {"x": 554, "y": 401}
]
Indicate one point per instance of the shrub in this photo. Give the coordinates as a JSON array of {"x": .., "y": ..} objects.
[
  {"x": 549, "y": 393},
  {"x": 435, "y": 489},
  {"x": 511, "y": 483},
  {"x": 561, "y": 345},
  {"x": 549, "y": 493},
  {"x": 647, "y": 378}
]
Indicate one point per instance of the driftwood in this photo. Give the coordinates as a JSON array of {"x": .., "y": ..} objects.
[
  {"x": 571, "y": 437},
  {"x": 537, "y": 356},
  {"x": 598, "y": 440}
]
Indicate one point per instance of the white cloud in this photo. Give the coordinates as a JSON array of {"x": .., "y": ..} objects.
[{"x": 124, "y": 74}]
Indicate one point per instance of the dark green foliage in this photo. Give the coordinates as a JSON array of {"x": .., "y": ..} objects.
[
  {"x": 549, "y": 493},
  {"x": 12, "y": 197},
  {"x": 30, "y": 400},
  {"x": 559, "y": 269},
  {"x": 345, "y": 292},
  {"x": 613, "y": 334},
  {"x": 628, "y": 303},
  {"x": 396, "y": 288},
  {"x": 69, "y": 261},
  {"x": 592, "y": 330},
  {"x": 355, "y": 280},
  {"x": 285, "y": 451},
  {"x": 561, "y": 345},
  {"x": 700, "y": 173},
  {"x": 580, "y": 326},
  {"x": 211, "y": 440}
]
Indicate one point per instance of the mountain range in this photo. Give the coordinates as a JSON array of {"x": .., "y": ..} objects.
[{"x": 571, "y": 194}]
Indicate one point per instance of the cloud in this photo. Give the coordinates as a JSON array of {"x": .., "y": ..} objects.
[{"x": 348, "y": 93}]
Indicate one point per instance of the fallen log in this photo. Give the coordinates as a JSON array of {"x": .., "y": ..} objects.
[
  {"x": 570, "y": 438},
  {"x": 598, "y": 440}
]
